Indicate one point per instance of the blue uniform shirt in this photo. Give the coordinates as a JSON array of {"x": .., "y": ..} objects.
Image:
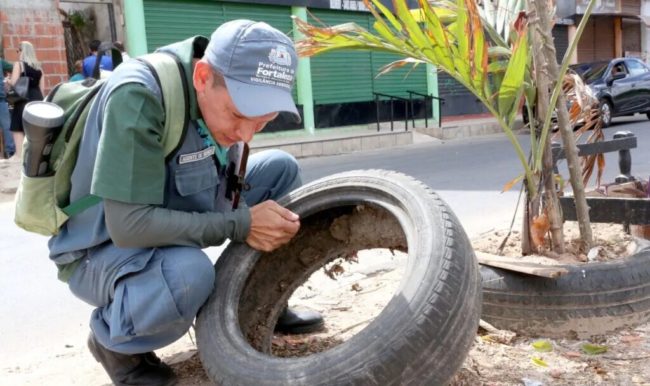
[{"x": 89, "y": 64}]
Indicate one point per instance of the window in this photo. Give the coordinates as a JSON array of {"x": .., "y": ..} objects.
[
  {"x": 635, "y": 67},
  {"x": 619, "y": 68},
  {"x": 591, "y": 72}
]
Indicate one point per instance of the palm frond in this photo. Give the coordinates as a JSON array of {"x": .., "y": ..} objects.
[{"x": 448, "y": 35}]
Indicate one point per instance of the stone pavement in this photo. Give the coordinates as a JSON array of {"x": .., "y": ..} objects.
[{"x": 342, "y": 140}]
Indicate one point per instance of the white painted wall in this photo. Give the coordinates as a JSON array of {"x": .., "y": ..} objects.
[
  {"x": 102, "y": 20},
  {"x": 645, "y": 29},
  {"x": 22, "y": 4}
]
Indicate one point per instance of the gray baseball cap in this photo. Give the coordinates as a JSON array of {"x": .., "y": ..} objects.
[{"x": 258, "y": 63}]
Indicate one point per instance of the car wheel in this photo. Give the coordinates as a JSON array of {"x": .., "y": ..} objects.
[
  {"x": 423, "y": 334},
  {"x": 524, "y": 115},
  {"x": 606, "y": 112},
  {"x": 647, "y": 115},
  {"x": 591, "y": 299}
]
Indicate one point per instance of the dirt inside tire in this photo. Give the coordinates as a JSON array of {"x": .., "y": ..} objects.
[{"x": 337, "y": 233}]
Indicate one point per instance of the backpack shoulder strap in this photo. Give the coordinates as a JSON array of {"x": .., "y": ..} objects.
[
  {"x": 168, "y": 71},
  {"x": 71, "y": 137},
  {"x": 169, "y": 74}
]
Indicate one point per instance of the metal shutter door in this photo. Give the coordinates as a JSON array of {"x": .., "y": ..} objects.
[
  {"x": 597, "y": 42},
  {"x": 168, "y": 21},
  {"x": 604, "y": 38},
  {"x": 631, "y": 37},
  {"x": 561, "y": 41},
  {"x": 399, "y": 81},
  {"x": 341, "y": 76},
  {"x": 458, "y": 100},
  {"x": 586, "y": 43},
  {"x": 631, "y": 7},
  {"x": 277, "y": 17}
]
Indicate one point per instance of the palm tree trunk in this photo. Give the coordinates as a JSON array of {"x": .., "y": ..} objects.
[
  {"x": 550, "y": 203},
  {"x": 526, "y": 245},
  {"x": 551, "y": 71}
]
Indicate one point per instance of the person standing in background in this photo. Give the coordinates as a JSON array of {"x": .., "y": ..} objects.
[
  {"x": 7, "y": 67},
  {"x": 105, "y": 64},
  {"x": 27, "y": 65},
  {"x": 5, "y": 117},
  {"x": 78, "y": 69},
  {"x": 120, "y": 46}
]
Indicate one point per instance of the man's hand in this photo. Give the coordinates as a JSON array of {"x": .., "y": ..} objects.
[{"x": 271, "y": 226}]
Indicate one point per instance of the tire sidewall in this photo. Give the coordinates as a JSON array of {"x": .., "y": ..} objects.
[
  {"x": 228, "y": 357},
  {"x": 591, "y": 299}
]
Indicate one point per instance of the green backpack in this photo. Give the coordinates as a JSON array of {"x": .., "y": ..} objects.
[{"x": 43, "y": 203}]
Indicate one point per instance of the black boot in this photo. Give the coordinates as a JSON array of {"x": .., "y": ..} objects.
[
  {"x": 137, "y": 369},
  {"x": 299, "y": 322}
]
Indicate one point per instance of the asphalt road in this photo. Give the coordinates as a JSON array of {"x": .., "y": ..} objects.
[
  {"x": 476, "y": 163},
  {"x": 469, "y": 174},
  {"x": 40, "y": 315}
]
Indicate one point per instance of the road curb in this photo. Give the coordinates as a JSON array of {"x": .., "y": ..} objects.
[
  {"x": 306, "y": 147},
  {"x": 303, "y": 144},
  {"x": 461, "y": 129}
]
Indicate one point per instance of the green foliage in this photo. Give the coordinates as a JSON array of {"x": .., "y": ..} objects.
[
  {"x": 542, "y": 345},
  {"x": 513, "y": 81},
  {"x": 593, "y": 349},
  {"x": 539, "y": 361},
  {"x": 450, "y": 36},
  {"x": 77, "y": 19}
]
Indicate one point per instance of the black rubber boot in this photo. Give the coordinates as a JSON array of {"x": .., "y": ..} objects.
[
  {"x": 137, "y": 369},
  {"x": 299, "y": 322}
]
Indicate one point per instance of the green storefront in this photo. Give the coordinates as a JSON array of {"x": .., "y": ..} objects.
[{"x": 343, "y": 86}]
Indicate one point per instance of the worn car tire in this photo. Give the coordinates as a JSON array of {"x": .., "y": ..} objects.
[
  {"x": 591, "y": 299},
  {"x": 524, "y": 115},
  {"x": 606, "y": 112},
  {"x": 423, "y": 334}
]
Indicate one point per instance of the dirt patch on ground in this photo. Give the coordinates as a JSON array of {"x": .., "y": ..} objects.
[
  {"x": 9, "y": 178},
  {"x": 516, "y": 361},
  {"x": 358, "y": 294},
  {"x": 610, "y": 242},
  {"x": 353, "y": 300},
  {"x": 497, "y": 358}
]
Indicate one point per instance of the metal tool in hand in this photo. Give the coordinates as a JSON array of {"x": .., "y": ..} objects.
[{"x": 236, "y": 172}]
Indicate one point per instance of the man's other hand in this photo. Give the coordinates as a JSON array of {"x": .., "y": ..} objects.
[{"x": 271, "y": 226}]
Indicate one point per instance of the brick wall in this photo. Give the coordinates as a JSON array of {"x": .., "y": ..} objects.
[{"x": 38, "y": 22}]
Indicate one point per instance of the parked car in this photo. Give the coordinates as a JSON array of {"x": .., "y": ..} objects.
[
  {"x": 581, "y": 104},
  {"x": 524, "y": 115},
  {"x": 621, "y": 85}
]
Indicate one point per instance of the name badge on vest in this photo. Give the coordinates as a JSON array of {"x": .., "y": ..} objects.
[{"x": 196, "y": 156}]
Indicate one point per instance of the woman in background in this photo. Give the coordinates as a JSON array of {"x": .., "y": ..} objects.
[
  {"x": 78, "y": 69},
  {"x": 27, "y": 65}
]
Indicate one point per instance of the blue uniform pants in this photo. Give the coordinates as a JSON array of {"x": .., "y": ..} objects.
[
  {"x": 5, "y": 124},
  {"x": 147, "y": 298}
]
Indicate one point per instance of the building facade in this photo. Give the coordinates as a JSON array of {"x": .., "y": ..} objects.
[
  {"x": 333, "y": 89},
  {"x": 338, "y": 88},
  {"x": 615, "y": 28},
  {"x": 343, "y": 87},
  {"x": 38, "y": 22}
]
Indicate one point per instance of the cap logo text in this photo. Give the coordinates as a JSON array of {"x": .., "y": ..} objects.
[
  {"x": 277, "y": 70},
  {"x": 280, "y": 56}
]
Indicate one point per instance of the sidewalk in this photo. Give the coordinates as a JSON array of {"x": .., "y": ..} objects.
[{"x": 349, "y": 139}]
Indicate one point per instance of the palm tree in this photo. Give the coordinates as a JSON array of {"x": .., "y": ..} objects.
[{"x": 489, "y": 50}]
